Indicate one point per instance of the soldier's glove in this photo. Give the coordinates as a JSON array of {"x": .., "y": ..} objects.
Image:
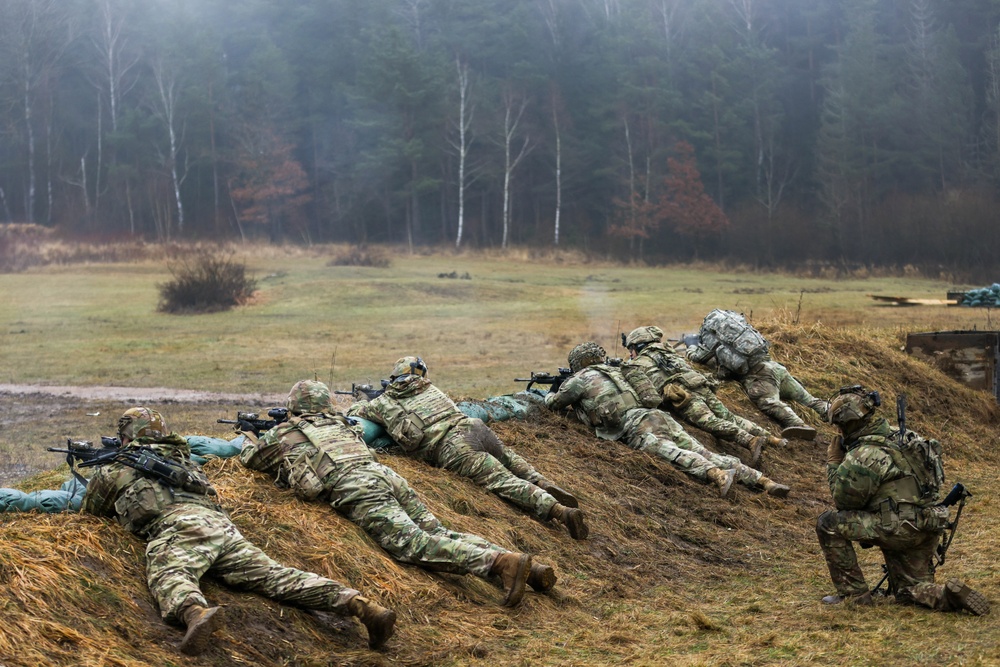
[
  {"x": 244, "y": 425},
  {"x": 360, "y": 393},
  {"x": 835, "y": 451},
  {"x": 676, "y": 395}
]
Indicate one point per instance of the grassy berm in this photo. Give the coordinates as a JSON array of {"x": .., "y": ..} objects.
[{"x": 671, "y": 574}]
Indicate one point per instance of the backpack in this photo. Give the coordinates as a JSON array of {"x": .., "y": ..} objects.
[
  {"x": 922, "y": 458},
  {"x": 726, "y": 335}
]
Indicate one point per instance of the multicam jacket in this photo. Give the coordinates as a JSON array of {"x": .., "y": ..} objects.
[
  {"x": 415, "y": 413},
  {"x": 663, "y": 366},
  {"x": 306, "y": 451},
  {"x": 600, "y": 396},
  {"x": 139, "y": 502},
  {"x": 874, "y": 470}
]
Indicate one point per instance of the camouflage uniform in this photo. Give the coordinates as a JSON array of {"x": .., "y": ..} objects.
[
  {"x": 602, "y": 397},
  {"x": 694, "y": 400},
  {"x": 769, "y": 384},
  {"x": 427, "y": 425},
  {"x": 366, "y": 492},
  {"x": 188, "y": 534},
  {"x": 878, "y": 503}
]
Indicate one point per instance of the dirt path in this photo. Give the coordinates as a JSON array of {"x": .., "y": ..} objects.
[{"x": 138, "y": 395}]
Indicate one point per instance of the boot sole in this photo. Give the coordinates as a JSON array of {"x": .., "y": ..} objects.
[
  {"x": 379, "y": 633},
  {"x": 799, "y": 432},
  {"x": 962, "y": 597},
  {"x": 577, "y": 528},
  {"x": 756, "y": 451},
  {"x": 562, "y": 497},
  {"x": 725, "y": 488},
  {"x": 516, "y": 590},
  {"x": 542, "y": 578},
  {"x": 781, "y": 491},
  {"x": 197, "y": 637}
]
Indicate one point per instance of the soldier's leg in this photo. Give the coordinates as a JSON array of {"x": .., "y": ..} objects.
[
  {"x": 649, "y": 431},
  {"x": 485, "y": 470},
  {"x": 908, "y": 556},
  {"x": 673, "y": 432},
  {"x": 243, "y": 565},
  {"x": 698, "y": 413},
  {"x": 176, "y": 560},
  {"x": 836, "y": 532},
  {"x": 722, "y": 412},
  {"x": 791, "y": 389},
  {"x": 390, "y": 514},
  {"x": 516, "y": 463},
  {"x": 763, "y": 391}
]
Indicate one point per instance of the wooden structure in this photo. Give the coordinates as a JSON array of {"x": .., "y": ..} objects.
[{"x": 971, "y": 357}]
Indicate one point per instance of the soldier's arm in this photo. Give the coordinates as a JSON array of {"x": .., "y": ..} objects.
[
  {"x": 856, "y": 480},
  {"x": 256, "y": 453},
  {"x": 571, "y": 391},
  {"x": 102, "y": 492},
  {"x": 367, "y": 410}
]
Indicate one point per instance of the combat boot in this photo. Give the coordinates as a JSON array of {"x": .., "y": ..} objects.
[
  {"x": 756, "y": 449},
  {"x": 379, "y": 621},
  {"x": 772, "y": 488},
  {"x": 513, "y": 569},
  {"x": 542, "y": 577},
  {"x": 961, "y": 597},
  {"x": 863, "y": 600},
  {"x": 775, "y": 441},
  {"x": 562, "y": 496},
  {"x": 572, "y": 518},
  {"x": 802, "y": 432},
  {"x": 200, "y": 622},
  {"x": 722, "y": 479}
]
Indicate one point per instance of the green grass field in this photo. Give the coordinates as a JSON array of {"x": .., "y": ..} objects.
[{"x": 98, "y": 325}]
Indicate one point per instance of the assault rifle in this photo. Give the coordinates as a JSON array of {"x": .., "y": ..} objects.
[
  {"x": 958, "y": 494},
  {"x": 258, "y": 424},
  {"x": 555, "y": 381},
  {"x": 368, "y": 390},
  {"x": 83, "y": 454}
]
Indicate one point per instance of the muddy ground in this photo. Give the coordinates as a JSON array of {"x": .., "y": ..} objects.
[{"x": 33, "y": 417}]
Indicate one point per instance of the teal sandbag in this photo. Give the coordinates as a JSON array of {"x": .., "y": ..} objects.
[
  {"x": 203, "y": 446},
  {"x": 50, "y": 502},
  {"x": 502, "y": 408}
]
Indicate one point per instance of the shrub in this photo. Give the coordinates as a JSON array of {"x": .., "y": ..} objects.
[
  {"x": 205, "y": 282},
  {"x": 361, "y": 256}
]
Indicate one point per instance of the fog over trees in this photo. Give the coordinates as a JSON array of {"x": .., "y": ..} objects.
[{"x": 772, "y": 131}]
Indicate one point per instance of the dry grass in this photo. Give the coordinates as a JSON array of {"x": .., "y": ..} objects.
[{"x": 670, "y": 575}]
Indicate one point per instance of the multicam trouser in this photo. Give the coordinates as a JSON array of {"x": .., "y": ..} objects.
[
  {"x": 707, "y": 412},
  {"x": 908, "y": 553},
  {"x": 188, "y": 541},
  {"x": 378, "y": 500},
  {"x": 457, "y": 455},
  {"x": 770, "y": 384},
  {"x": 655, "y": 432}
]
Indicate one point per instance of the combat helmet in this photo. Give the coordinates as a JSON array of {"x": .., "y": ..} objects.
[
  {"x": 409, "y": 366},
  {"x": 586, "y": 354},
  {"x": 309, "y": 397},
  {"x": 141, "y": 423},
  {"x": 643, "y": 336},
  {"x": 853, "y": 404}
]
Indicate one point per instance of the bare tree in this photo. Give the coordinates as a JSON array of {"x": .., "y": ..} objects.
[
  {"x": 514, "y": 106},
  {"x": 116, "y": 62},
  {"x": 465, "y": 114},
  {"x": 165, "y": 109},
  {"x": 33, "y": 37}
]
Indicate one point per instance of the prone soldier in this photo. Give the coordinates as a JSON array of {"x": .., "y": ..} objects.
[{"x": 188, "y": 534}]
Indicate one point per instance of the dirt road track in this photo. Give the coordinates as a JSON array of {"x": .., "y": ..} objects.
[{"x": 138, "y": 395}]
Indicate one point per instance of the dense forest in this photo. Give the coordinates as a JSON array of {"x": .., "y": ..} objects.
[{"x": 770, "y": 131}]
